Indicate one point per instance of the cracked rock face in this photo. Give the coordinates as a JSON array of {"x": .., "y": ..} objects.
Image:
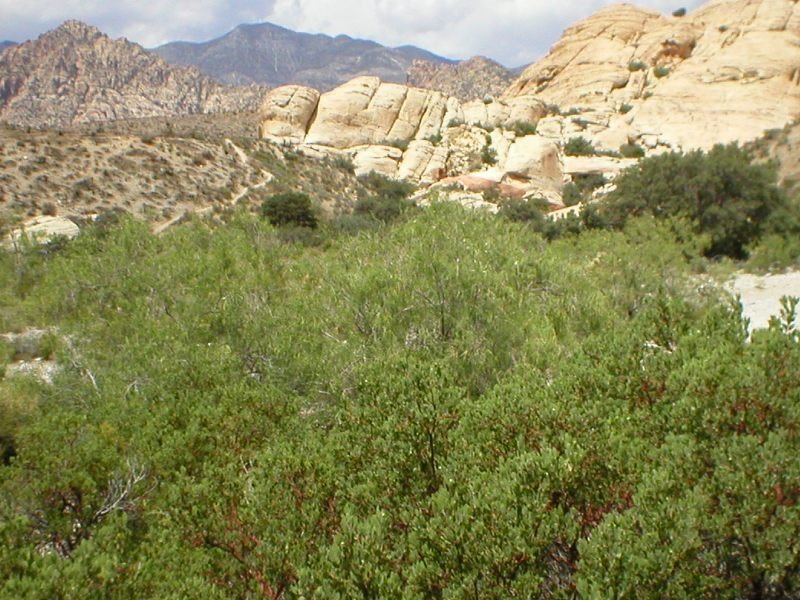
[
  {"x": 416, "y": 134},
  {"x": 725, "y": 72},
  {"x": 75, "y": 74}
]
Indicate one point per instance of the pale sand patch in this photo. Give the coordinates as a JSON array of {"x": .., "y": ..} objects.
[{"x": 761, "y": 294}]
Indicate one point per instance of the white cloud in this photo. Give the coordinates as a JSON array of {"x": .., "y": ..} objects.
[{"x": 511, "y": 31}]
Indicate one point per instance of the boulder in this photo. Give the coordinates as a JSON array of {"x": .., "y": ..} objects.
[
  {"x": 43, "y": 229},
  {"x": 287, "y": 112}
]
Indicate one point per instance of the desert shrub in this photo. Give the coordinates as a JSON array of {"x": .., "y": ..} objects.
[
  {"x": 382, "y": 186},
  {"x": 774, "y": 252},
  {"x": 382, "y": 208},
  {"x": 446, "y": 408},
  {"x": 522, "y": 128},
  {"x": 571, "y": 194},
  {"x": 637, "y": 65},
  {"x": 579, "y": 146},
  {"x": 625, "y": 108},
  {"x": 435, "y": 139},
  {"x": 680, "y": 12},
  {"x": 661, "y": 71},
  {"x": 488, "y": 155},
  {"x": 344, "y": 163},
  {"x": 723, "y": 193},
  {"x": 525, "y": 211},
  {"x": 289, "y": 209},
  {"x": 398, "y": 143},
  {"x": 631, "y": 151},
  {"x": 352, "y": 224}
]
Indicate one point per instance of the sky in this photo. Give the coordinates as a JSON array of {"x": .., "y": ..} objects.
[{"x": 513, "y": 32}]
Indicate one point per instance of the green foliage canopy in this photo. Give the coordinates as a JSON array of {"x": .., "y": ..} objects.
[
  {"x": 723, "y": 193},
  {"x": 448, "y": 407}
]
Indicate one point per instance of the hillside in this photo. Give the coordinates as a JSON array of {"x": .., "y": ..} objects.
[
  {"x": 76, "y": 74},
  {"x": 6, "y": 44},
  {"x": 472, "y": 79},
  {"x": 157, "y": 170},
  {"x": 271, "y": 55}
]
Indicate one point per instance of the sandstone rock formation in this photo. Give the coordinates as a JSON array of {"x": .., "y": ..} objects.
[
  {"x": 473, "y": 79},
  {"x": 625, "y": 79},
  {"x": 75, "y": 74},
  {"x": 420, "y": 135},
  {"x": 725, "y": 72}
]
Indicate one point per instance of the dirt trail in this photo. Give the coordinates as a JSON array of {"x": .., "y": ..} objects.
[{"x": 241, "y": 193}]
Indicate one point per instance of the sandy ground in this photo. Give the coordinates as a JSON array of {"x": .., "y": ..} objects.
[{"x": 760, "y": 295}]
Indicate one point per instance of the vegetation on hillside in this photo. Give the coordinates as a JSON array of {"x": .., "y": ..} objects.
[{"x": 447, "y": 407}]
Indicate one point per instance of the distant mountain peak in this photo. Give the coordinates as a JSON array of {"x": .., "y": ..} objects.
[
  {"x": 78, "y": 30},
  {"x": 269, "y": 54},
  {"x": 75, "y": 73},
  {"x": 471, "y": 79}
]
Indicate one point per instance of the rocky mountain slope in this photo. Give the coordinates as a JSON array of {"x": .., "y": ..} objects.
[
  {"x": 157, "y": 169},
  {"x": 76, "y": 74},
  {"x": 471, "y": 79},
  {"x": 627, "y": 81},
  {"x": 6, "y": 44},
  {"x": 268, "y": 54}
]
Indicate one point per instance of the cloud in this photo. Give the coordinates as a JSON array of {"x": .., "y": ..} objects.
[
  {"x": 514, "y": 32},
  {"x": 511, "y": 31},
  {"x": 148, "y": 23}
]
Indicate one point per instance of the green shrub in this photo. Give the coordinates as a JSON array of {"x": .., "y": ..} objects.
[
  {"x": 775, "y": 252},
  {"x": 625, "y": 108},
  {"x": 661, "y": 71},
  {"x": 399, "y": 144},
  {"x": 344, "y": 163},
  {"x": 722, "y": 193},
  {"x": 289, "y": 209},
  {"x": 631, "y": 151},
  {"x": 637, "y": 65},
  {"x": 382, "y": 208},
  {"x": 434, "y": 139},
  {"x": 571, "y": 194},
  {"x": 522, "y": 128},
  {"x": 525, "y": 211},
  {"x": 579, "y": 146},
  {"x": 353, "y": 224},
  {"x": 488, "y": 155},
  {"x": 383, "y": 186},
  {"x": 681, "y": 12}
]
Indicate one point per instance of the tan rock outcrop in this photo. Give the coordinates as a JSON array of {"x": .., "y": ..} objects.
[
  {"x": 725, "y": 72},
  {"x": 411, "y": 133},
  {"x": 287, "y": 112},
  {"x": 366, "y": 111}
]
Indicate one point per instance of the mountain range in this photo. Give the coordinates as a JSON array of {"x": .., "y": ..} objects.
[{"x": 271, "y": 55}]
